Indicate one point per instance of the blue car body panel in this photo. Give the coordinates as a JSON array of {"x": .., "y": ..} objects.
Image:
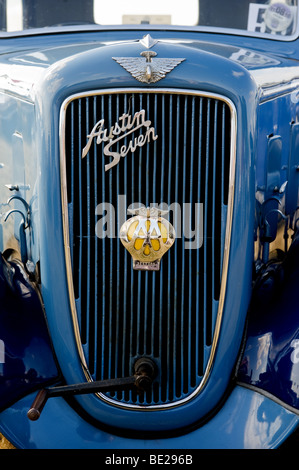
[
  {"x": 25, "y": 339},
  {"x": 261, "y": 424},
  {"x": 59, "y": 304}
]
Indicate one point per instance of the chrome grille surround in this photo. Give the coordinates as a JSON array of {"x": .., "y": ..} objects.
[{"x": 197, "y": 366}]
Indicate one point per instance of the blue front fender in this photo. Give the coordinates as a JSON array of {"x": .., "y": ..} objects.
[{"x": 26, "y": 358}]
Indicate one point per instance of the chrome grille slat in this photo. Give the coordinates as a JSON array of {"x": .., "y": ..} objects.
[{"x": 170, "y": 314}]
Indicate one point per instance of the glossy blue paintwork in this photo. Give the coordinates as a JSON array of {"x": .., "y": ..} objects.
[
  {"x": 28, "y": 357},
  {"x": 270, "y": 359},
  {"x": 68, "y": 80},
  {"x": 34, "y": 82}
]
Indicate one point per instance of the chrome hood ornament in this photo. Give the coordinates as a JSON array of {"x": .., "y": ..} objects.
[
  {"x": 146, "y": 69},
  {"x": 147, "y": 236}
]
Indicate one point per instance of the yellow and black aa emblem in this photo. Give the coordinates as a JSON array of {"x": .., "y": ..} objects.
[{"x": 147, "y": 236}]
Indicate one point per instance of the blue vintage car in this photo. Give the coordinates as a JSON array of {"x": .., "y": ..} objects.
[{"x": 149, "y": 242}]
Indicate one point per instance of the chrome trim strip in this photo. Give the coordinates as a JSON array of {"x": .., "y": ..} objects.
[{"x": 230, "y": 206}]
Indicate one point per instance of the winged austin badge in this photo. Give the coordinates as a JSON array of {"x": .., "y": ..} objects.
[
  {"x": 145, "y": 69},
  {"x": 147, "y": 236}
]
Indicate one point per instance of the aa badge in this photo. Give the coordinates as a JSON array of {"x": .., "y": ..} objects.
[{"x": 147, "y": 236}]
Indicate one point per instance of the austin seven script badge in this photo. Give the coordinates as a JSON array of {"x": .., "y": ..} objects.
[
  {"x": 123, "y": 128},
  {"x": 147, "y": 68},
  {"x": 147, "y": 236}
]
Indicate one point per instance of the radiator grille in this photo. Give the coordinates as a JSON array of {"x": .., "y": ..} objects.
[{"x": 168, "y": 315}]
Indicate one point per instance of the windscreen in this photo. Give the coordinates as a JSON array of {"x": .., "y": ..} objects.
[{"x": 271, "y": 17}]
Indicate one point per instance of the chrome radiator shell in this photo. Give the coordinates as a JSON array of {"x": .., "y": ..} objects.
[{"x": 173, "y": 315}]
